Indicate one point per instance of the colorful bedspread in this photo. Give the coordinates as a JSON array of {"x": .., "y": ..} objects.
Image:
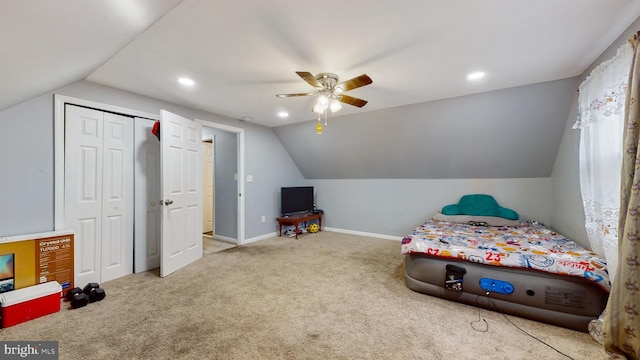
[{"x": 528, "y": 246}]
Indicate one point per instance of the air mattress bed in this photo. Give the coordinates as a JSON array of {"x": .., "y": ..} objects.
[{"x": 523, "y": 269}]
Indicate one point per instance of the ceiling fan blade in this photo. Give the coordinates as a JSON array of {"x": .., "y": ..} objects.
[
  {"x": 292, "y": 95},
  {"x": 352, "y": 100},
  {"x": 309, "y": 78},
  {"x": 355, "y": 83}
]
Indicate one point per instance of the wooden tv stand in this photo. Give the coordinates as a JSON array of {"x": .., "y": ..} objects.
[{"x": 294, "y": 220}]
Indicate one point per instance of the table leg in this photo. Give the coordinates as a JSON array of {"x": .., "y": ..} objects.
[{"x": 296, "y": 230}]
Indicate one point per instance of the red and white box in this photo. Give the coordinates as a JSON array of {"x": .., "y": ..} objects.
[{"x": 28, "y": 303}]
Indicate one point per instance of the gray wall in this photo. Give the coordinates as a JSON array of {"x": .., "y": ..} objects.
[
  {"x": 510, "y": 133},
  {"x": 567, "y": 211},
  {"x": 271, "y": 168},
  {"x": 394, "y": 207},
  {"x": 26, "y": 137},
  {"x": 26, "y": 158}
]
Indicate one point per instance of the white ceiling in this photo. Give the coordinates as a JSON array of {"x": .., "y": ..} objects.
[{"x": 243, "y": 52}]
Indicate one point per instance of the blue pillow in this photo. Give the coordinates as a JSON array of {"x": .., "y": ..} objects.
[{"x": 479, "y": 205}]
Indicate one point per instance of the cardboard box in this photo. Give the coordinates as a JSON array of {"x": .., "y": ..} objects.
[{"x": 28, "y": 303}]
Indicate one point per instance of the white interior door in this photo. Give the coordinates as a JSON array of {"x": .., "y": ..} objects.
[
  {"x": 99, "y": 192},
  {"x": 117, "y": 197},
  {"x": 181, "y": 166},
  {"x": 83, "y": 189},
  {"x": 207, "y": 187},
  {"x": 147, "y": 197}
]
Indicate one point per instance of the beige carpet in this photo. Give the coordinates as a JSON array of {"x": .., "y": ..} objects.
[
  {"x": 210, "y": 245},
  {"x": 324, "y": 296}
]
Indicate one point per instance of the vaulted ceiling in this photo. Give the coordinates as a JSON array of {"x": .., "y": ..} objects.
[{"x": 241, "y": 53}]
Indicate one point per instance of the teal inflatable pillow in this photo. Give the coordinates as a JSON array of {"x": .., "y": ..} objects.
[{"x": 479, "y": 205}]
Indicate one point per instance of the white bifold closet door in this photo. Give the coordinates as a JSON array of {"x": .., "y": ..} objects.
[{"x": 99, "y": 160}]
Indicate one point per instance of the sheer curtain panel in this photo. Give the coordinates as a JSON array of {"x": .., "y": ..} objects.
[
  {"x": 600, "y": 120},
  {"x": 601, "y": 106}
]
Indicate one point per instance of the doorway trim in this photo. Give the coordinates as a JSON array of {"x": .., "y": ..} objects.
[
  {"x": 58, "y": 145},
  {"x": 240, "y": 140}
]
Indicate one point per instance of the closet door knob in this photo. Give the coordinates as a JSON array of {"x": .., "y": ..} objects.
[{"x": 168, "y": 202}]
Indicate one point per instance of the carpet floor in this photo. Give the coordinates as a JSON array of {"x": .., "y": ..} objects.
[{"x": 325, "y": 296}]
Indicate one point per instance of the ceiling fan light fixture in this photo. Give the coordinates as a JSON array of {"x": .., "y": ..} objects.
[
  {"x": 323, "y": 99},
  {"x": 330, "y": 93},
  {"x": 322, "y": 104},
  {"x": 320, "y": 107},
  {"x": 335, "y": 106}
]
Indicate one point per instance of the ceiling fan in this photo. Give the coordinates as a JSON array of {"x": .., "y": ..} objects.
[{"x": 331, "y": 91}]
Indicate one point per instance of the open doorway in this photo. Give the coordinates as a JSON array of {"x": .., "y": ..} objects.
[
  {"x": 223, "y": 169},
  {"x": 208, "y": 186}
]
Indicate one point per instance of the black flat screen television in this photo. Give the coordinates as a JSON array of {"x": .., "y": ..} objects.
[
  {"x": 295, "y": 200},
  {"x": 7, "y": 273}
]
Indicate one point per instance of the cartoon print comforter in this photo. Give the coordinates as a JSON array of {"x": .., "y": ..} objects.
[{"x": 528, "y": 246}]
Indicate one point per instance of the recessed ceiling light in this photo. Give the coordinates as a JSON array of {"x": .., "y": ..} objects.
[
  {"x": 186, "y": 81},
  {"x": 283, "y": 114},
  {"x": 475, "y": 75}
]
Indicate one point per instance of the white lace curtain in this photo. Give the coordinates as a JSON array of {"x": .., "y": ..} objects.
[{"x": 601, "y": 120}]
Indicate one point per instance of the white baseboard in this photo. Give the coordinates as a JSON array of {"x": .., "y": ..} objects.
[
  {"x": 361, "y": 233},
  {"x": 351, "y": 232},
  {"x": 261, "y": 237}
]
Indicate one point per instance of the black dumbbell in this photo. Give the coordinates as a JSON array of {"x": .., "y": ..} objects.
[
  {"x": 72, "y": 292},
  {"x": 94, "y": 292},
  {"x": 79, "y": 300}
]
